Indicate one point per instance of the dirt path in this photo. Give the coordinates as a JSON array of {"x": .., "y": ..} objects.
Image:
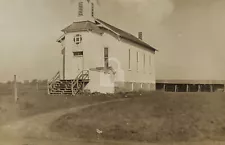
[
  {"x": 37, "y": 126},
  {"x": 35, "y": 131}
]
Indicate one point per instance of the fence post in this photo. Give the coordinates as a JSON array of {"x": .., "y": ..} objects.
[
  {"x": 164, "y": 87},
  {"x": 15, "y": 89},
  {"x": 187, "y": 88},
  {"x": 37, "y": 86},
  {"x": 211, "y": 88},
  {"x": 175, "y": 88},
  {"x": 199, "y": 87}
]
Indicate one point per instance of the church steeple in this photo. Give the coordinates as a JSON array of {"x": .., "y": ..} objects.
[{"x": 85, "y": 10}]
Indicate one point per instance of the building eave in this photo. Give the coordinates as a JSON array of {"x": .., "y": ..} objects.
[
  {"x": 140, "y": 44},
  {"x": 61, "y": 38},
  {"x": 125, "y": 35}
]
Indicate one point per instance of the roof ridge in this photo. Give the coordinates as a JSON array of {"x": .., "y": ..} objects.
[
  {"x": 127, "y": 35},
  {"x": 89, "y": 25},
  {"x": 119, "y": 29}
]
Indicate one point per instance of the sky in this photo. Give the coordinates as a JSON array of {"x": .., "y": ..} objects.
[{"x": 189, "y": 35}]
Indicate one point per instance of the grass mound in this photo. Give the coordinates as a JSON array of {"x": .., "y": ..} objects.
[{"x": 155, "y": 117}]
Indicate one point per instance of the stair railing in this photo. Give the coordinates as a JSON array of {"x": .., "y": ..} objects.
[
  {"x": 83, "y": 75},
  {"x": 54, "y": 79}
]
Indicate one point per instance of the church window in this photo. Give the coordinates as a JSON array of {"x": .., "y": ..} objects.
[
  {"x": 144, "y": 61},
  {"x": 106, "y": 57},
  {"x": 137, "y": 61},
  {"x": 150, "y": 63},
  {"x": 77, "y": 39},
  {"x": 129, "y": 55}
]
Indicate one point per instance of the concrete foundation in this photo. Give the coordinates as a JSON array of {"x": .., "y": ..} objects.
[{"x": 132, "y": 86}]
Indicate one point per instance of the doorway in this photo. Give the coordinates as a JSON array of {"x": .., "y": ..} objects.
[{"x": 78, "y": 62}]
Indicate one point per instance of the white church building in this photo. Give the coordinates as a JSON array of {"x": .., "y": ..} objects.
[{"x": 98, "y": 57}]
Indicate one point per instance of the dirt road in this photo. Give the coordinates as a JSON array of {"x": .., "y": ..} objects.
[
  {"x": 35, "y": 131},
  {"x": 37, "y": 126}
]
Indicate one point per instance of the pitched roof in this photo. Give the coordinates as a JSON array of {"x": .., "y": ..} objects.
[
  {"x": 127, "y": 35},
  {"x": 61, "y": 38},
  {"x": 90, "y": 26},
  {"x": 82, "y": 26}
]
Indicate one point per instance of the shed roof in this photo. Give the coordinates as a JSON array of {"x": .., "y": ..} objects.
[
  {"x": 95, "y": 27},
  {"x": 190, "y": 81}
]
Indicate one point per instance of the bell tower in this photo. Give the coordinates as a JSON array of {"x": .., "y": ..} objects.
[{"x": 85, "y": 10}]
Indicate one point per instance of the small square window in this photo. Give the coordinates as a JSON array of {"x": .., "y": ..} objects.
[{"x": 78, "y": 53}]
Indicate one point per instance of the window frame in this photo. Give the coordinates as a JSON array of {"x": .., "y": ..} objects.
[
  {"x": 129, "y": 59},
  {"x": 78, "y": 53},
  {"x": 144, "y": 62},
  {"x": 77, "y": 39},
  {"x": 138, "y": 61},
  {"x": 106, "y": 57},
  {"x": 150, "y": 64}
]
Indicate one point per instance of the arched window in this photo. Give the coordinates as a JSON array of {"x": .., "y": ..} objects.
[
  {"x": 80, "y": 9},
  {"x": 77, "y": 39}
]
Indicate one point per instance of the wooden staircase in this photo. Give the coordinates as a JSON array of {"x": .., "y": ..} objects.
[{"x": 68, "y": 87}]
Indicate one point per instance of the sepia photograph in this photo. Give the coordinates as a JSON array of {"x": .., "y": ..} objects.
[{"x": 112, "y": 72}]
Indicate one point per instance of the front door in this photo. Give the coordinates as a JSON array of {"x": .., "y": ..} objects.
[
  {"x": 79, "y": 64},
  {"x": 78, "y": 58}
]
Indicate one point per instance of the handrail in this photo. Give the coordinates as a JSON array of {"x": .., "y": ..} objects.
[
  {"x": 82, "y": 75},
  {"x": 76, "y": 78},
  {"x": 50, "y": 83},
  {"x": 56, "y": 77}
]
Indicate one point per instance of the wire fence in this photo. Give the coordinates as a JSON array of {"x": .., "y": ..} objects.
[{"x": 8, "y": 89}]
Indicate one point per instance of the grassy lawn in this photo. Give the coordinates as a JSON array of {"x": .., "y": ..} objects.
[
  {"x": 153, "y": 117},
  {"x": 32, "y": 103}
]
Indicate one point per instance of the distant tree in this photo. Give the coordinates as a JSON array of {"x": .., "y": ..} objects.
[
  {"x": 34, "y": 82},
  {"x": 9, "y": 82},
  {"x": 42, "y": 82},
  {"x": 20, "y": 83},
  {"x": 26, "y": 82},
  {"x": 45, "y": 81}
]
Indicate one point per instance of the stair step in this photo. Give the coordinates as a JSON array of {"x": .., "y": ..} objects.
[
  {"x": 60, "y": 87},
  {"x": 67, "y": 92},
  {"x": 55, "y": 93}
]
